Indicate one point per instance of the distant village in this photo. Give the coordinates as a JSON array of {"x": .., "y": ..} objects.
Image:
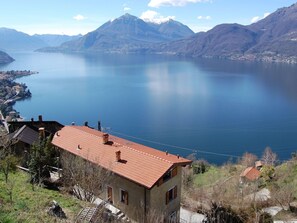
[{"x": 11, "y": 91}]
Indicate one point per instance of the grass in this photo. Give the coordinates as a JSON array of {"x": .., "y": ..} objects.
[
  {"x": 284, "y": 216},
  {"x": 222, "y": 184},
  {"x": 213, "y": 175},
  {"x": 31, "y": 206}
]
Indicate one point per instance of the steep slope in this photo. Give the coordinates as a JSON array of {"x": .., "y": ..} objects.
[
  {"x": 56, "y": 40},
  {"x": 173, "y": 29},
  {"x": 126, "y": 34},
  {"x": 278, "y": 33},
  {"x": 5, "y": 58},
  {"x": 271, "y": 39},
  {"x": 12, "y": 40}
]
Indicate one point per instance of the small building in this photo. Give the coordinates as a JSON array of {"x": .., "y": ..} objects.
[
  {"x": 259, "y": 164},
  {"x": 145, "y": 179},
  {"x": 250, "y": 174}
]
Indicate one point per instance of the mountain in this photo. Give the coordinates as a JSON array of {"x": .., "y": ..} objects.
[
  {"x": 173, "y": 29},
  {"x": 274, "y": 38},
  {"x": 12, "y": 40},
  {"x": 56, "y": 40},
  {"x": 277, "y": 33},
  {"x": 5, "y": 58},
  {"x": 126, "y": 34}
]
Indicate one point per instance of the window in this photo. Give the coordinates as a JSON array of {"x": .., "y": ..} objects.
[
  {"x": 171, "y": 194},
  {"x": 124, "y": 196},
  {"x": 109, "y": 194},
  {"x": 168, "y": 175},
  {"x": 172, "y": 217}
]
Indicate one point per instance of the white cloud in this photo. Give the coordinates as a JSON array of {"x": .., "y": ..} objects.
[
  {"x": 158, "y": 3},
  {"x": 204, "y": 17},
  {"x": 257, "y": 18},
  {"x": 127, "y": 9},
  {"x": 79, "y": 17},
  {"x": 155, "y": 17}
]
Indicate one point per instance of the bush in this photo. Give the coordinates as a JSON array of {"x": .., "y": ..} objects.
[{"x": 200, "y": 166}]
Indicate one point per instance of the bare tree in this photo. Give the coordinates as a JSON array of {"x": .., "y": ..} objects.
[
  {"x": 269, "y": 157},
  {"x": 8, "y": 160},
  {"x": 284, "y": 196},
  {"x": 248, "y": 159},
  {"x": 85, "y": 179},
  {"x": 151, "y": 216}
]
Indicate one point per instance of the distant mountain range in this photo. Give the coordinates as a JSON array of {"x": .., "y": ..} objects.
[
  {"x": 274, "y": 39},
  {"x": 55, "y": 40},
  {"x": 126, "y": 34},
  {"x": 12, "y": 40},
  {"x": 5, "y": 58},
  {"x": 271, "y": 39}
]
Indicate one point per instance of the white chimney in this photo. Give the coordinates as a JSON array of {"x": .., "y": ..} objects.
[{"x": 41, "y": 132}]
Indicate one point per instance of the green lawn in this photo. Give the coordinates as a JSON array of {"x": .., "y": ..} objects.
[
  {"x": 31, "y": 206},
  {"x": 212, "y": 176}
]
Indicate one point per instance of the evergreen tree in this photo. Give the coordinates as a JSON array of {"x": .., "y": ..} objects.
[{"x": 42, "y": 155}]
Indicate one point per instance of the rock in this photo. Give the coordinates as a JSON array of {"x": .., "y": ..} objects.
[{"x": 56, "y": 210}]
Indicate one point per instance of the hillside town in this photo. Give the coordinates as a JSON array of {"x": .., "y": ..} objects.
[
  {"x": 122, "y": 181},
  {"x": 202, "y": 116},
  {"x": 11, "y": 91}
]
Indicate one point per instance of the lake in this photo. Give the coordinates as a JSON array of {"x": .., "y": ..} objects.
[{"x": 214, "y": 107}]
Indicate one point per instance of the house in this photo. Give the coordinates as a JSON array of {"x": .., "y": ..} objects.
[
  {"x": 259, "y": 164},
  {"x": 249, "y": 174},
  {"x": 50, "y": 127},
  {"x": 26, "y": 133},
  {"x": 145, "y": 179}
]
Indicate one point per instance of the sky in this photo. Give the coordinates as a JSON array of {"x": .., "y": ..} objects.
[{"x": 73, "y": 17}]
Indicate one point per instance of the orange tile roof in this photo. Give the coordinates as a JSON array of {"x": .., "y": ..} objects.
[
  {"x": 251, "y": 173},
  {"x": 139, "y": 163}
]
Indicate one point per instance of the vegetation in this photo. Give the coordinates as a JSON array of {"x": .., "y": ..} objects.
[
  {"x": 19, "y": 203},
  {"x": 42, "y": 155},
  {"x": 219, "y": 194}
]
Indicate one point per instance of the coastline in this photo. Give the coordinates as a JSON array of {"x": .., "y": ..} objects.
[{"x": 12, "y": 91}]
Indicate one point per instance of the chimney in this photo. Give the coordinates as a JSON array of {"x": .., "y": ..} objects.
[
  {"x": 41, "y": 132},
  {"x": 72, "y": 123},
  {"x": 105, "y": 137},
  {"x": 99, "y": 126},
  {"x": 32, "y": 119},
  {"x": 118, "y": 156},
  {"x": 40, "y": 118},
  {"x": 87, "y": 124}
]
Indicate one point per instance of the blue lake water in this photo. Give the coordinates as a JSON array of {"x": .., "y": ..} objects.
[{"x": 211, "y": 106}]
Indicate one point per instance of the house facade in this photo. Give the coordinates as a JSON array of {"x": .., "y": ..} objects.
[{"x": 146, "y": 182}]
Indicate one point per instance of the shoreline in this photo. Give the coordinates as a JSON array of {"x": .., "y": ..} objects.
[{"x": 12, "y": 91}]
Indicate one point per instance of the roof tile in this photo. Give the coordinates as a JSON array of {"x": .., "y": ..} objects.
[{"x": 139, "y": 163}]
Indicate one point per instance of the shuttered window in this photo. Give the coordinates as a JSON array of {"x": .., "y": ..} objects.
[
  {"x": 124, "y": 196},
  {"x": 171, "y": 195},
  {"x": 167, "y": 176}
]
